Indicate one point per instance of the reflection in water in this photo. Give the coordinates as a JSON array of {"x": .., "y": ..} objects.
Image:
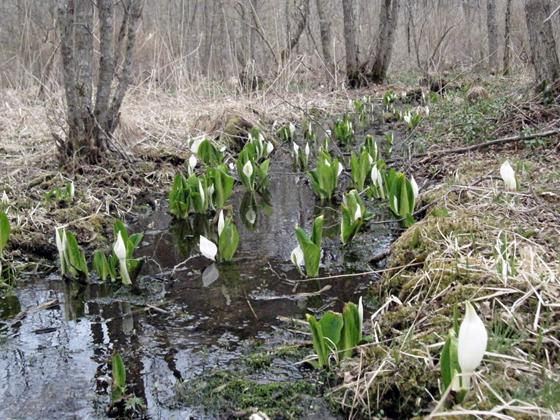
[{"x": 54, "y": 361}]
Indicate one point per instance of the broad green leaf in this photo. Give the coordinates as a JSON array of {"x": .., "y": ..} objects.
[
  {"x": 449, "y": 361},
  {"x": 351, "y": 329},
  {"x": 318, "y": 341},
  {"x": 101, "y": 265},
  {"x": 317, "y": 232},
  {"x": 331, "y": 326},
  {"x": 4, "y": 231},
  {"x": 311, "y": 253},
  {"x": 119, "y": 378},
  {"x": 75, "y": 255},
  {"x": 228, "y": 241}
]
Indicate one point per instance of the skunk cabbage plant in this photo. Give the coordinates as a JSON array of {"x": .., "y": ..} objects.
[
  {"x": 308, "y": 252},
  {"x": 337, "y": 334},
  {"x": 360, "y": 165},
  {"x": 72, "y": 258},
  {"x": 401, "y": 195},
  {"x": 324, "y": 178},
  {"x": 353, "y": 215},
  {"x": 343, "y": 131},
  {"x": 4, "y": 232},
  {"x": 508, "y": 175}
]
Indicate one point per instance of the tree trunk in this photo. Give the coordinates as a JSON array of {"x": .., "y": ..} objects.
[
  {"x": 89, "y": 129},
  {"x": 352, "y": 53},
  {"x": 492, "y": 35},
  {"x": 388, "y": 19},
  {"x": 302, "y": 14},
  {"x": 541, "y": 39},
  {"x": 507, "y": 40},
  {"x": 326, "y": 36}
]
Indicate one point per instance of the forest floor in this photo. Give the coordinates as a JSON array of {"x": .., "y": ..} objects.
[{"x": 451, "y": 255}]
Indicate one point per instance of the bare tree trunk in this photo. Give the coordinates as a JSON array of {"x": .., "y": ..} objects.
[
  {"x": 352, "y": 54},
  {"x": 467, "y": 12},
  {"x": 326, "y": 36},
  {"x": 492, "y": 35},
  {"x": 388, "y": 19},
  {"x": 302, "y": 11},
  {"x": 541, "y": 39},
  {"x": 507, "y": 40},
  {"x": 90, "y": 129}
]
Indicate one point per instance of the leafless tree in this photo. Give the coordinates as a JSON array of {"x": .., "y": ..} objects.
[
  {"x": 388, "y": 19},
  {"x": 492, "y": 26},
  {"x": 350, "y": 43},
  {"x": 507, "y": 38},
  {"x": 326, "y": 36},
  {"x": 544, "y": 55},
  {"x": 91, "y": 122}
]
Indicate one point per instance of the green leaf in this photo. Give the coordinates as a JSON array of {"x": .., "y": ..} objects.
[
  {"x": 228, "y": 241},
  {"x": 449, "y": 361},
  {"x": 101, "y": 265},
  {"x": 331, "y": 326},
  {"x": 318, "y": 341},
  {"x": 75, "y": 256},
  {"x": 223, "y": 185},
  {"x": 311, "y": 253},
  {"x": 119, "y": 378},
  {"x": 209, "y": 154},
  {"x": 4, "y": 231},
  {"x": 351, "y": 329},
  {"x": 317, "y": 232}
]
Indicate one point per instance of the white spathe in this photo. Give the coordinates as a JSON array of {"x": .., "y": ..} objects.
[
  {"x": 5, "y": 200},
  {"x": 292, "y": 128},
  {"x": 60, "y": 237},
  {"x": 297, "y": 257},
  {"x": 296, "y": 149},
  {"x": 269, "y": 148},
  {"x": 414, "y": 187},
  {"x": 361, "y": 314},
  {"x": 221, "y": 223},
  {"x": 375, "y": 175},
  {"x": 196, "y": 144},
  {"x": 340, "y": 169},
  {"x": 201, "y": 192},
  {"x": 72, "y": 189},
  {"x": 306, "y": 150},
  {"x": 192, "y": 163},
  {"x": 208, "y": 248},
  {"x": 358, "y": 213},
  {"x": 248, "y": 169},
  {"x": 508, "y": 175},
  {"x": 471, "y": 344},
  {"x": 119, "y": 248}
]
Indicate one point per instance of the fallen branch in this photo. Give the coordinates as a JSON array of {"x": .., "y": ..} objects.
[{"x": 504, "y": 140}]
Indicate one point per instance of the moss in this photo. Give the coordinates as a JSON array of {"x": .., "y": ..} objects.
[{"x": 224, "y": 392}]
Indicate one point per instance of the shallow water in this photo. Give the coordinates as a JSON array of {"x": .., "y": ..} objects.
[{"x": 188, "y": 317}]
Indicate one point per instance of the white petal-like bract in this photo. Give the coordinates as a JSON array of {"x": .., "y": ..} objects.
[
  {"x": 196, "y": 144},
  {"x": 472, "y": 341},
  {"x": 297, "y": 256},
  {"x": 340, "y": 169},
  {"x": 269, "y": 148},
  {"x": 414, "y": 187},
  {"x": 221, "y": 223},
  {"x": 508, "y": 175},
  {"x": 248, "y": 169},
  {"x": 192, "y": 163},
  {"x": 119, "y": 248},
  {"x": 208, "y": 248}
]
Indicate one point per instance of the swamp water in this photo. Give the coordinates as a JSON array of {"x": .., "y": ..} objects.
[{"x": 188, "y": 319}]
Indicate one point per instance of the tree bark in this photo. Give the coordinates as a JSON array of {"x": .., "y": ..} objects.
[
  {"x": 541, "y": 39},
  {"x": 302, "y": 11},
  {"x": 89, "y": 129},
  {"x": 351, "y": 46},
  {"x": 388, "y": 20},
  {"x": 507, "y": 40},
  {"x": 326, "y": 36},
  {"x": 492, "y": 35}
]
